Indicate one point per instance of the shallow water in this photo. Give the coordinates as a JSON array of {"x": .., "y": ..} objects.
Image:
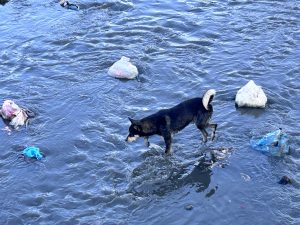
[{"x": 54, "y": 61}]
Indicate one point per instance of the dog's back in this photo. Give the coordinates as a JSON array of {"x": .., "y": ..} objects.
[{"x": 177, "y": 117}]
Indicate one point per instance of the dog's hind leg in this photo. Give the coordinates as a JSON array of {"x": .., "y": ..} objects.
[
  {"x": 214, "y": 127},
  {"x": 146, "y": 140}
]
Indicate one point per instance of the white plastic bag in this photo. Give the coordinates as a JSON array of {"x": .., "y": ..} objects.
[
  {"x": 123, "y": 69},
  {"x": 251, "y": 95},
  {"x": 12, "y": 112}
]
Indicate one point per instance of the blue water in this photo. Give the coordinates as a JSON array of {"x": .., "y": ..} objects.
[{"x": 54, "y": 61}]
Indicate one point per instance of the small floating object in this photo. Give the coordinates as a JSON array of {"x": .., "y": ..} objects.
[
  {"x": 67, "y": 5},
  {"x": 189, "y": 207},
  {"x": 251, "y": 95},
  {"x": 123, "y": 69},
  {"x": 285, "y": 180},
  {"x": 274, "y": 143},
  {"x": 9, "y": 110},
  {"x": 33, "y": 152},
  {"x": 16, "y": 115}
]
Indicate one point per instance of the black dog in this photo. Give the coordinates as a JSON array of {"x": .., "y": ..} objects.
[{"x": 166, "y": 122}]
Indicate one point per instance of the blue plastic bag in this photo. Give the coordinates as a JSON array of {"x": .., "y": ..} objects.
[
  {"x": 32, "y": 152},
  {"x": 274, "y": 143}
]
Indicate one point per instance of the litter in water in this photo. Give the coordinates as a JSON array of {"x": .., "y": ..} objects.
[
  {"x": 67, "y": 5},
  {"x": 16, "y": 115},
  {"x": 33, "y": 152},
  {"x": 274, "y": 143},
  {"x": 123, "y": 69}
]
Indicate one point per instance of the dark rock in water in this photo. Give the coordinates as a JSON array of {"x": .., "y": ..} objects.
[
  {"x": 285, "y": 180},
  {"x": 3, "y": 2},
  {"x": 189, "y": 207}
]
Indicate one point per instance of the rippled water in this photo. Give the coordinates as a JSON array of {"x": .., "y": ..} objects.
[{"x": 54, "y": 61}]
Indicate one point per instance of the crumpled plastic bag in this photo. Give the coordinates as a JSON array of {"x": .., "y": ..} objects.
[
  {"x": 274, "y": 143},
  {"x": 123, "y": 69},
  {"x": 9, "y": 109},
  {"x": 16, "y": 115},
  {"x": 20, "y": 119},
  {"x": 251, "y": 95},
  {"x": 32, "y": 152}
]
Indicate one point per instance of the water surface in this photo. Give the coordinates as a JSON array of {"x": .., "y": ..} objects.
[{"x": 55, "y": 62}]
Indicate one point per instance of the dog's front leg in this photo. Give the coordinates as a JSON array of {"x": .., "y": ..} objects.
[
  {"x": 168, "y": 140},
  {"x": 146, "y": 140},
  {"x": 214, "y": 127},
  {"x": 205, "y": 134}
]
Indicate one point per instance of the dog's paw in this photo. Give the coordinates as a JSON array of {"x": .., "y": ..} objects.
[{"x": 168, "y": 152}]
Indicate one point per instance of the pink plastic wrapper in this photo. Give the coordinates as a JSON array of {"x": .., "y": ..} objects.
[{"x": 9, "y": 109}]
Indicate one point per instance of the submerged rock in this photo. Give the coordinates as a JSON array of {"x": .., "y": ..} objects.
[
  {"x": 285, "y": 180},
  {"x": 251, "y": 95}
]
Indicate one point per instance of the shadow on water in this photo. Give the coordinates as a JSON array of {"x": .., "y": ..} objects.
[
  {"x": 160, "y": 175},
  {"x": 251, "y": 112}
]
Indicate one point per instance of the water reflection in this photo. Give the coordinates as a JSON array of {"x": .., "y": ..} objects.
[
  {"x": 200, "y": 177},
  {"x": 160, "y": 175}
]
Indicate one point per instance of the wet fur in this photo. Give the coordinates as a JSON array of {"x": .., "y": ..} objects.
[{"x": 166, "y": 122}]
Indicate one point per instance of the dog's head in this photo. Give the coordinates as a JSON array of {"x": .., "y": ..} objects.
[{"x": 135, "y": 130}]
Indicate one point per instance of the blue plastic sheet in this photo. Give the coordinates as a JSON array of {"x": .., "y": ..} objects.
[
  {"x": 32, "y": 152},
  {"x": 274, "y": 143}
]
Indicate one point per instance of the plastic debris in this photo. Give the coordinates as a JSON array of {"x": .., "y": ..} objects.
[
  {"x": 251, "y": 95},
  {"x": 245, "y": 177},
  {"x": 16, "y": 115},
  {"x": 123, "y": 69},
  {"x": 67, "y": 5},
  {"x": 9, "y": 109},
  {"x": 32, "y": 152},
  {"x": 274, "y": 143}
]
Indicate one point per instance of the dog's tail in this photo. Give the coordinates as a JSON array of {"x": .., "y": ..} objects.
[{"x": 208, "y": 97}]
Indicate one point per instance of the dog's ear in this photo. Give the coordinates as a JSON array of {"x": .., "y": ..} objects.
[{"x": 134, "y": 122}]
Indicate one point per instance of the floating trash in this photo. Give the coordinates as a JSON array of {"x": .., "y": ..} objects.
[
  {"x": 274, "y": 143},
  {"x": 251, "y": 95},
  {"x": 16, "y": 115},
  {"x": 123, "y": 69},
  {"x": 33, "y": 152},
  {"x": 245, "y": 177},
  {"x": 67, "y": 5}
]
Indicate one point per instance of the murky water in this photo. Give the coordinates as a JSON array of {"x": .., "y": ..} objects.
[{"x": 54, "y": 61}]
